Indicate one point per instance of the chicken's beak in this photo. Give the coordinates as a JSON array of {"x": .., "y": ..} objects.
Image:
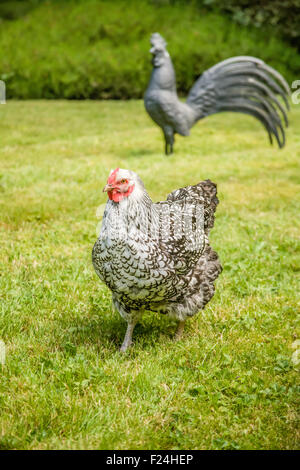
[{"x": 107, "y": 187}]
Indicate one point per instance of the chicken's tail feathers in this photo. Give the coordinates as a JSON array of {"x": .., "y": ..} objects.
[
  {"x": 245, "y": 85},
  {"x": 204, "y": 193},
  {"x": 210, "y": 202}
]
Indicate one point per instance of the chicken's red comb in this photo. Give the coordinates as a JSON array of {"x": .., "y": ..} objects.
[{"x": 112, "y": 176}]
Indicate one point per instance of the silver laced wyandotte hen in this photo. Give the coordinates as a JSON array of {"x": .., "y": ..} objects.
[
  {"x": 240, "y": 84},
  {"x": 156, "y": 256}
]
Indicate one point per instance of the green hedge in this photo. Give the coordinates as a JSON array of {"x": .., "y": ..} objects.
[
  {"x": 100, "y": 49},
  {"x": 281, "y": 15},
  {"x": 13, "y": 9}
]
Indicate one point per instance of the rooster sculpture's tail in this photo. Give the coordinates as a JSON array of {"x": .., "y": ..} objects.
[{"x": 245, "y": 85}]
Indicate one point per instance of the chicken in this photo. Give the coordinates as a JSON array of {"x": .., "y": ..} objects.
[
  {"x": 156, "y": 256},
  {"x": 239, "y": 84}
]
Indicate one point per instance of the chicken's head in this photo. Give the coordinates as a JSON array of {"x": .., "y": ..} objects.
[
  {"x": 158, "y": 50},
  {"x": 120, "y": 184}
]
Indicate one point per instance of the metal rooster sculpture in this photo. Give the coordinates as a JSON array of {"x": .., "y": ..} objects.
[{"x": 239, "y": 84}]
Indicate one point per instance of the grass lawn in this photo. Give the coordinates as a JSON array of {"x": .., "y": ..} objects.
[{"x": 231, "y": 382}]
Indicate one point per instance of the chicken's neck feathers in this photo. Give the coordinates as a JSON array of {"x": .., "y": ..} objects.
[{"x": 133, "y": 214}]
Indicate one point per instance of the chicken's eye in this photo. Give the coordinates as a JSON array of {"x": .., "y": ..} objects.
[{"x": 123, "y": 181}]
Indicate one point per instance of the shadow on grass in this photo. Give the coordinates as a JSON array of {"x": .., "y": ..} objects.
[
  {"x": 10, "y": 443},
  {"x": 138, "y": 152},
  {"x": 107, "y": 331}
]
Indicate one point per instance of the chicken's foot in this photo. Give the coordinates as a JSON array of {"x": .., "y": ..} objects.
[{"x": 179, "y": 331}]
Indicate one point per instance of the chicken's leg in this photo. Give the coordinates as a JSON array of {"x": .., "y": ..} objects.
[
  {"x": 179, "y": 330},
  {"x": 128, "y": 337}
]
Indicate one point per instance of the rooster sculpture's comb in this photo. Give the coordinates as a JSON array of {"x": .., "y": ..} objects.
[{"x": 158, "y": 41}]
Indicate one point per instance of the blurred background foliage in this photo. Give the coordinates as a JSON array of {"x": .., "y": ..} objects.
[
  {"x": 280, "y": 17},
  {"x": 99, "y": 49}
]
